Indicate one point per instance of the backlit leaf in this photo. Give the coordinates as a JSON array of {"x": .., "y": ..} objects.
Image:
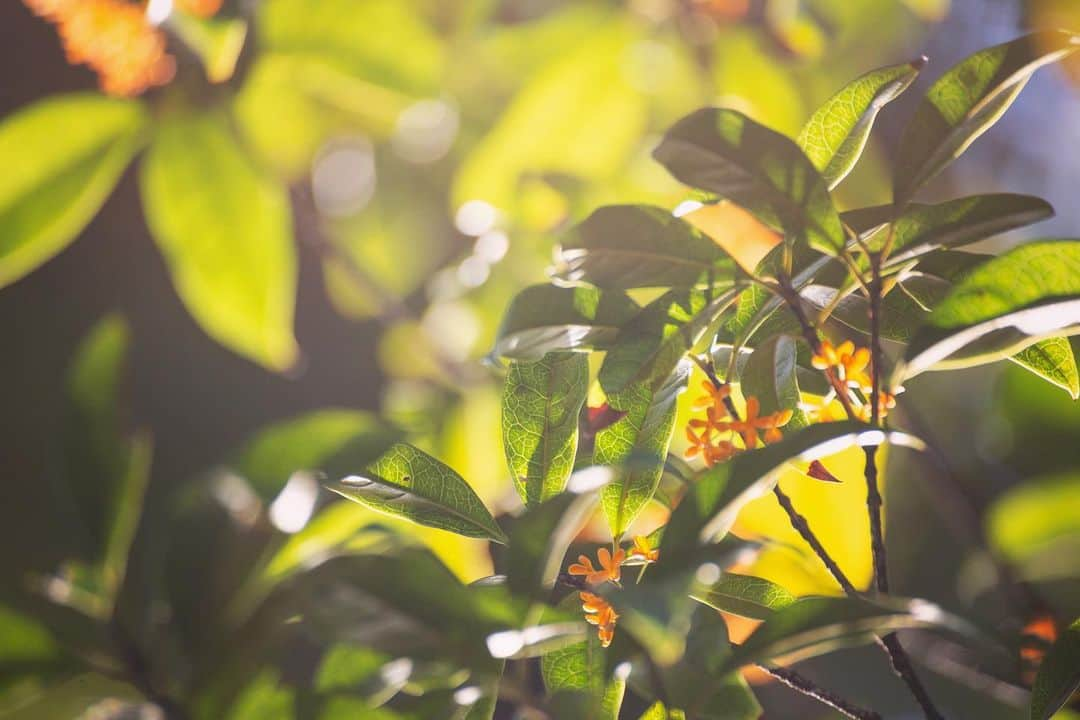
[
  {"x": 770, "y": 375},
  {"x": 1054, "y": 361},
  {"x": 58, "y": 172},
  {"x": 966, "y": 101},
  {"x": 745, "y": 595},
  {"x": 836, "y": 134},
  {"x": 409, "y": 483},
  {"x": 541, "y": 405}
]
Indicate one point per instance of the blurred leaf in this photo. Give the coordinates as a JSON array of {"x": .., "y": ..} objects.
[
  {"x": 540, "y": 408},
  {"x": 582, "y": 105},
  {"x": 966, "y": 101},
  {"x": 711, "y": 504},
  {"x": 72, "y": 697},
  {"x": 725, "y": 152},
  {"x": 816, "y": 626},
  {"x": 216, "y": 41},
  {"x": 770, "y": 375},
  {"x": 331, "y": 441},
  {"x": 629, "y": 246},
  {"x": 409, "y": 483},
  {"x": 226, "y": 233},
  {"x": 637, "y": 445},
  {"x": 745, "y": 595},
  {"x": 264, "y": 698},
  {"x": 999, "y": 308},
  {"x": 657, "y": 711},
  {"x": 1052, "y": 360},
  {"x": 834, "y": 137},
  {"x": 1059, "y": 675},
  {"x": 1032, "y": 517},
  {"x": 27, "y": 644},
  {"x": 542, "y": 318},
  {"x": 59, "y": 172},
  {"x": 654, "y": 342},
  {"x": 369, "y": 673},
  {"x": 539, "y": 540}
]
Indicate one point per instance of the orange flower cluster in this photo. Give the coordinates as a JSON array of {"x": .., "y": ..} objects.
[
  {"x": 851, "y": 366},
  {"x": 700, "y": 432},
  {"x": 643, "y": 550},
  {"x": 114, "y": 38},
  {"x": 599, "y": 611}
]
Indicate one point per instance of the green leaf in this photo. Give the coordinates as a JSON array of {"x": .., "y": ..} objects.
[
  {"x": 76, "y": 697},
  {"x": 922, "y": 229},
  {"x": 582, "y": 667},
  {"x": 225, "y": 230},
  {"x": 543, "y": 318},
  {"x": 539, "y": 539},
  {"x": 836, "y": 134},
  {"x": 1035, "y": 517},
  {"x": 1059, "y": 675},
  {"x": 637, "y": 445},
  {"x": 816, "y": 626},
  {"x": 631, "y": 246},
  {"x": 1001, "y": 307},
  {"x": 409, "y": 483},
  {"x": 653, "y": 343},
  {"x": 541, "y": 404},
  {"x": 727, "y": 153},
  {"x": 712, "y": 503},
  {"x": 966, "y": 101},
  {"x": 745, "y": 595},
  {"x": 770, "y": 375},
  {"x": 58, "y": 172},
  {"x": 1052, "y": 360},
  {"x": 657, "y": 711},
  {"x": 332, "y": 441}
]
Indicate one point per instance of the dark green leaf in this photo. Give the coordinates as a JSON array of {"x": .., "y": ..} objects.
[
  {"x": 966, "y": 101},
  {"x": 409, "y": 483},
  {"x": 637, "y": 445},
  {"x": 1001, "y": 307},
  {"x": 653, "y": 343},
  {"x": 1059, "y": 675},
  {"x": 543, "y": 318},
  {"x": 225, "y": 230},
  {"x": 74, "y": 697},
  {"x": 541, "y": 404},
  {"x": 631, "y": 246},
  {"x": 539, "y": 539},
  {"x": 711, "y": 504},
  {"x": 835, "y": 136},
  {"x": 815, "y": 626},
  {"x": 746, "y": 596},
  {"x": 58, "y": 172},
  {"x": 770, "y": 375},
  {"x": 727, "y": 153}
]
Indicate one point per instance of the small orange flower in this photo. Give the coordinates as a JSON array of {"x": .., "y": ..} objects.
[
  {"x": 886, "y": 402},
  {"x": 600, "y": 613},
  {"x": 610, "y": 567},
  {"x": 749, "y": 426},
  {"x": 713, "y": 399},
  {"x": 851, "y": 363},
  {"x": 642, "y": 549},
  {"x": 201, "y": 8}
]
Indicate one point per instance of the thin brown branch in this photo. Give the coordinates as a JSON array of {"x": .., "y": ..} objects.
[
  {"x": 803, "y": 528},
  {"x": 805, "y": 686}
]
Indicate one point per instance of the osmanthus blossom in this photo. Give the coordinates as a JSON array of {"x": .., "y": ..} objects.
[{"x": 598, "y": 611}]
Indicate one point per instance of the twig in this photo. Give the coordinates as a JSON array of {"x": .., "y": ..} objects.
[
  {"x": 803, "y": 528},
  {"x": 804, "y": 685}
]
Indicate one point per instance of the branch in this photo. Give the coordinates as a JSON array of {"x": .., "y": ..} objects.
[
  {"x": 803, "y": 528},
  {"x": 804, "y": 685}
]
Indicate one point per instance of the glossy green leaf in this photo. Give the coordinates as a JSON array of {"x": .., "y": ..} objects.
[
  {"x": 225, "y": 230},
  {"x": 1059, "y": 675},
  {"x": 1054, "y": 361},
  {"x": 1001, "y": 307},
  {"x": 727, "y": 153},
  {"x": 58, "y": 172},
  {"x": 712, "y": 503},
  {"x": 836, "y": 134},
  {"x": 331, "y": 441},
  {"x": 409, "y": 483},
  {"x": 771, "y": 375},
  {"x": 637, "y": 445},
  {"x": 543, "y": 318},
  {"x": 653, "y": 343},
  {"x": 966, "y": 101},
  {"x": 541, "y": 405},
  {"x": 922, "y": 229},
  {"x": 631, "y": 246},
  {"x": 816, "y": 626},
  {"x": 745, "y": 595}
]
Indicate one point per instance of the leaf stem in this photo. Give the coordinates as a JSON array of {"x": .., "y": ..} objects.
[{"x": 805, "y": 686}]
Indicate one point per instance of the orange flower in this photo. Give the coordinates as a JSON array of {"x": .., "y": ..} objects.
[
  {"x": 114, "y": 38},
  {"x": 713, "y": 399},
  {"x": 749, "y": 426},
  {"x": 886, "y": 402},
  {"x": 202, "y": 8},
  {"x": 702, "y": 444},
  {"x": 600, "y": 613},
  {"x": 851, "y": 363},
  {"x": 610, "y": 567},
  {"x": 642, "y": 549}
]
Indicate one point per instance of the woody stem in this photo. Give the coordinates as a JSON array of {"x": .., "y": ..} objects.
[{"x": 805, "y": 686}]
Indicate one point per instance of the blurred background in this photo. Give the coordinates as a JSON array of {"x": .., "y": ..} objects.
[{"x": 431, "y": 152}]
